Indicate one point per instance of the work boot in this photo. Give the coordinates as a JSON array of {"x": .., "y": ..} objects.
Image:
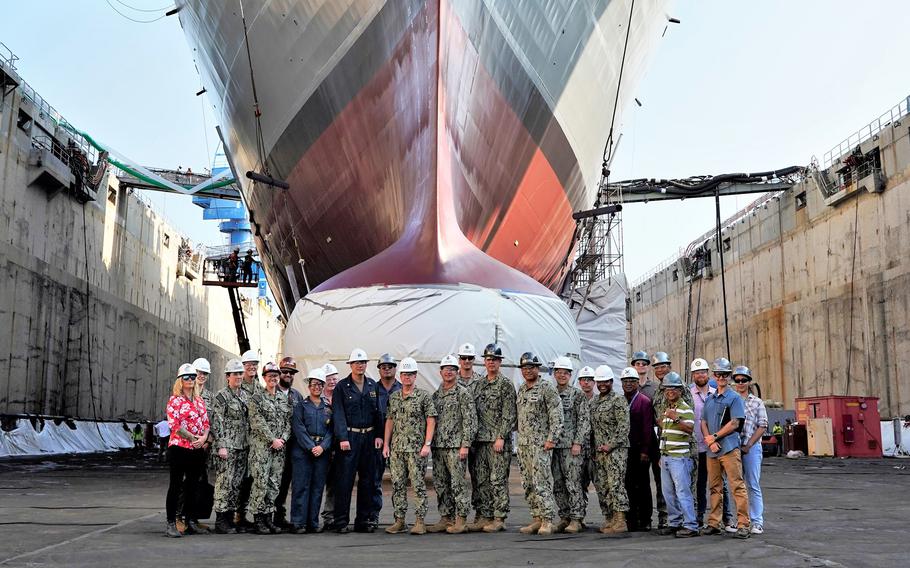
[
  {"x": 280, "y": 520},
  {"x": 197, "y": 527},
  {"x": 608, "y": 520},
  {"x": 443, "y": 524},
  {"x": 532, "y": 528},
  {"x": 617, "y": 525},
  {"x": 259, "y": 525},
  {"x": 574, "y": 527},
  {"x": 561, "y": 525},
  {"x": 419, "y": 527},
  {"x": 479, "y": 523},
  {"x": 172, "y": 531},
  {"x": 241, "y": 523},
  {"x": 459, "y": 526},
  {"x": 498, "y": 524},
  {"x": 546, "y": 528},
  {"x": 222, "y": 526},
  {"x": 398, "y": 527},
  {"x": 273, "y": 528},
  {"x": 661, "y": 520}
]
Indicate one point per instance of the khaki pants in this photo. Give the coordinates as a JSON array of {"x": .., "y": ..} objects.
[{"x": 731, "y": 465}]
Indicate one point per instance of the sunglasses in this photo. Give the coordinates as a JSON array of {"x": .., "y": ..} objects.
[
  {"x": 189, "y": 378},
  {"x": 742, "y": 381},
  {"x": 466, "y": 358},
  {"x": 287, "y": 372},
  {"x": 722, "y": 375}
]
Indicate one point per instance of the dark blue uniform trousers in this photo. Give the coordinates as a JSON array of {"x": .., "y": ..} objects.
[
  {"x": 361, "y": 461},
  {"x": 309, "y": 474}
]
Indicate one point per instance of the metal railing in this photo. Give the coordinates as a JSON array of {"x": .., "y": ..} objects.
[
  {"x": 887, "y": 118},
  {"x": 7, "y": 56}
]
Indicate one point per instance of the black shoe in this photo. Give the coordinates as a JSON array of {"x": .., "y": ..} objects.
[
  {"x": 280, "y": 520},
  {"x": 711, "y": 531},
  {"x": 364, "y": 528},
  {"x": 296, "y": 529},
  {"x": 667, "y": 531},
  {"x": 685, "y": 533},
  {"x": 260, "y": 526},
  {"x": 172, "y": 531},
  {"x": 222, "y": 525},
  {"x": 272, "y": 527},
  {"x": 342, "y": 530},
  {"x": 192, "y": 527},
  {"x": 313, "y": 530},
  {"x": 243, "y": 525}
]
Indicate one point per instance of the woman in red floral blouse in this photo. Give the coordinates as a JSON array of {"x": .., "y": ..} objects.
[{"x": 186, "y": 415}]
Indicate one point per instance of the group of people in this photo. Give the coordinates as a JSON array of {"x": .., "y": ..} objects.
[{"x": 262, "y": 439}]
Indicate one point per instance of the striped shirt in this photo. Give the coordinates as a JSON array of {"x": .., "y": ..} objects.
[{"x": 673, "y": 441}]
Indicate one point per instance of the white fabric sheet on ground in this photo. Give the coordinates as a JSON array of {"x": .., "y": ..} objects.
[
  {"x": 427, "y": 323},
  {"x": 890, "y": 446},
  {"x": 51, "y": 438},
  {"x": 602, "y": 323}
]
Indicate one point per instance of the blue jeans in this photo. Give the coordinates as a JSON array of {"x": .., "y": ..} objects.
[
  {"x": 676, "y": 483},
  {"x": 309, "y": 474},
  {"x": 752, "y": 477}
]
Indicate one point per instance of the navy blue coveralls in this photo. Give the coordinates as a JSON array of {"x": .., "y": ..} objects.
[
  {"x": 311, "y": 425},
  {"x": 358, "y": 421}
]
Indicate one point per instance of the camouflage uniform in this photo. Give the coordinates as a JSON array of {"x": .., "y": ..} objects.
[
  {"x": 495, "y": 403},
  {"x": 456, "y": 424},
  {"x": 270, "y": 418},
  {"x": 610, "y": 425},
  {"x": 539, "y": 420},
  {"x": 472, "y": 457},
  {"x": 475, "y": 376},
  {"x": 230, "y": 427},
  {"x": 409, "y": 429},
  {"x": 250, "y": 389},
  {"x": 568, "y": 469}
]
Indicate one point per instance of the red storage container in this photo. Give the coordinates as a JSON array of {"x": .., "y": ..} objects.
[{"x": 855, "y": 422}]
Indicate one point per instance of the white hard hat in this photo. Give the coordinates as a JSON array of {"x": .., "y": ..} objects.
[
  {"x": 358, "y": 355},
  {"x": 408, "y": 365},
  {"x": 249, "y": 357},
  {"x": 316, "y": 374},
  {"x": 449, "y": 361},
  {"x": 562, "y": 363},
  {"x": 186, "y": 369},
  {"x": 329, "y": 369},
  {"x": 202, "y": 364},
  {"x": 603, "y": 373},
  {"x": 233, "y": 366},
  {"x": 466, "y": 350},
  {"x": 586, "y": 373},
  {"x": 629, "y": 373},
  {"x": 699, "y": 365}
]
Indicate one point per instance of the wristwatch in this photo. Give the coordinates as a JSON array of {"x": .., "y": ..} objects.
[{"x": 430, "y": 443}]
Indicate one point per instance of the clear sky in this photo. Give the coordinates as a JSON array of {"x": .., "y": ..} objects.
[{"x": 737, "y": 86}]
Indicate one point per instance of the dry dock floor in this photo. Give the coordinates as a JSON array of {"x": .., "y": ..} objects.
[{"x": 108, "y": 510}]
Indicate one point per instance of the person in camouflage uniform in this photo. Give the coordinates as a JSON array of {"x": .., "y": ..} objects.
[
  {"x": 249, "y": 383},
  {"x": 539, "y": 427},
  {"x": 410, "y": 422},
  {"x": 610, "y": 425},
  {"x": 230, "y": 427},
  {"x": 466, "y": 376},
  {"x": 456, "y": 424},
  {"x": 586, "y": 383},
  {"x": 568, "y": 456},
  {"x": 270, "y": 428},
  {"x": 494, "y": 399}
]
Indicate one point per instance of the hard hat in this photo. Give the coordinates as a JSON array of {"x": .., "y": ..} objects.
[
  {"x": 586, "y": 373},
  {"x": 270, "y": 367},
  {"x": 660, "y": 358},
  {"x": 742, "y": 370},
  {"x": 387, "y": 359},
  {"x": 562, "y": 363},
  {"x": 358, "y": 355},
  {"x": 466, "y": 350},
  {"x": 329, "y": 369},
  {"x": 672, "y": 380},
  {"x": 408, "y": 365},
  {"x": 603, "y": 373},
  {"x": 186, "y": 369},
  {"x": 249, "y": 357},
  {"x": 722, "y": 365},
  {"x": 288, "y": 363},
  {"x": 202, "y": 365},
  {"x": 699, "y": 365},
  {"x": 640, "y": 356},
  {"x": 528, "y": 358},
  {"x": 233, "y": 366},
  {"x": 492, "y": 350},
  {"x": 629, "y": 373},
  {"x": 316, "y": 374},
  {"x": 450, "y": 360}
]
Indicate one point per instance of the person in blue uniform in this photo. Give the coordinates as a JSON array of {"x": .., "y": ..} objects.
[{"x": 311, "y": 425}]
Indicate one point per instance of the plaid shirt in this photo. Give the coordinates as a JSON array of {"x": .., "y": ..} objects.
[{"x": 756, "y": 416}]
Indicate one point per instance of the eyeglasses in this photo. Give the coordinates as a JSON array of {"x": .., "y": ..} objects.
[
  {"x": 462, "y": 358},
  {"x": 189, "y": 378},
  {"x": 742, "y": 381}
]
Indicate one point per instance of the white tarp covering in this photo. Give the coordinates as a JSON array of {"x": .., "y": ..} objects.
[
  {"x": 602, "y": 323},
  {"x": 51, "y": 438},
  {"x": 892, "y": 446},
  {"x": 427, "y": 323}
]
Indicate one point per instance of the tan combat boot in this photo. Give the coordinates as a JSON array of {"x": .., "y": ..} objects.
[
  {"x": 498, "y": 524},
  {"x": 419, "y": 527},
  {"x": 604, "y": 526},
  {"x": 398, "y": 527},
  {"x": 532, "y": 528},
  {"x": 618, "y": 525},
  {"x": 574, "y": 527},
  {"x": 561, "y": 525},
  {"x": 546, "y": 528},
  {"x": 459, "y": 526},
  {"x": 479, "y": 523},
  {"x": 443, "y": 524}
]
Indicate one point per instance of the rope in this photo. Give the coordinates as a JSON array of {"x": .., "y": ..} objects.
[
  {"x": 608, "y": 149},
  {"x": 723, "y": 280},
  {"x": 260, "y": 142},
  {"x": 88, "y": 330}
]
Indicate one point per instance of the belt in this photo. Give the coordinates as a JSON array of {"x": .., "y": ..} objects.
[
  {"x": 317, "y": 438},
  {"x": 361, "y": 430}
]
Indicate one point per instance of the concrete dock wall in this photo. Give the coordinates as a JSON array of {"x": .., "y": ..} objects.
[{"x": 818, "y": 295}]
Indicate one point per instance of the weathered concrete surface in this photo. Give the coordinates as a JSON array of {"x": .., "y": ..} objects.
[
  {"x": 818, "y": 296},
  {"x": 108, "y": 511}
]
